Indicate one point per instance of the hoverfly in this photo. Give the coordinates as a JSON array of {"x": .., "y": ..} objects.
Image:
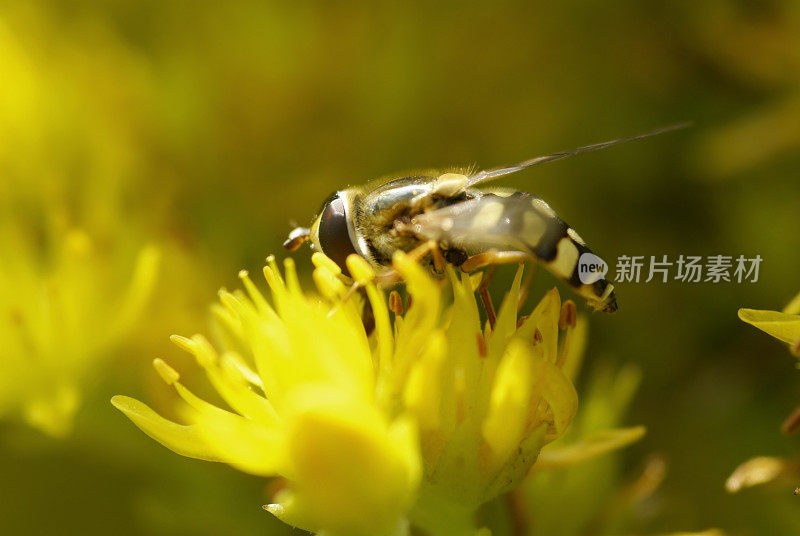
[{"x": 446, "y": 216}]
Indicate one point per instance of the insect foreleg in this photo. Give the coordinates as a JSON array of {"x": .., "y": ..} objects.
[{"x": 391, "y": 276}]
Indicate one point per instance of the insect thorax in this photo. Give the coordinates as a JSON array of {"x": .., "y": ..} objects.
[{"x": 398, "y": 200}]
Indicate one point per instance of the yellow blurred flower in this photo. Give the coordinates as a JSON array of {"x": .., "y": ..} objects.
[
  {"x": 419, "y": 424},
  {"x": 74, "y": 271},
  {"x": 65, "y": 303},
  {"x": 784, "y": 326}
]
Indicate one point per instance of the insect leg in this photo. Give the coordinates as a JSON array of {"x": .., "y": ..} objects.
[
  {"x": 391, "y": 276},
  {"x": 494, "y": 257},
  {"x": 438, "y": 258},
  {"x": 486, "y": 298}
]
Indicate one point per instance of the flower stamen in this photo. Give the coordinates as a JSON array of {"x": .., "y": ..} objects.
[
  {"x": 396, "y": 303},
  {"x": 569, "y": 315}
]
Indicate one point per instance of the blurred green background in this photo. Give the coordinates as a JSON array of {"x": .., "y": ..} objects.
[{"x": 206, "y": 127}]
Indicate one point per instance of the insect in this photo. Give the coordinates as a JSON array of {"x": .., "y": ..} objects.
[{"x": 447, "y": 216}]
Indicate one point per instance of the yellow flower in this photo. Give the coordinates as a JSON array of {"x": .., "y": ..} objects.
[
  {"x": 74, "y": 270},
  {"x": 419, "y": 424},
  {"x": 784, "y": 326},
  {"x": 64, "y": 307}
]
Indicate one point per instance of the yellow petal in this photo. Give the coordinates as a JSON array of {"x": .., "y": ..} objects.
[
  {"x": 782, "y": 326},
  {"x": 351, "y": 472},
  {"x": 597, "y": 444},
  {"x": 183, "y": 440},
  {"x": 509, "y": 402},
  {"x": 289, "y": 510},
  {"x": 321, "y": 260},
  {"x": 305, "y": 342},
  {"x": 423, "y": 393},
  {"x": 514, "y": 472},
  {"x": 145, "y": 273},
  {"x": 462, "y": 358},
  {"x": 53, "y": 412},
  {"x": 573, "y": 348},
  {"x": 256, "y": 297},
  {"x": 506, "y": 323},
  {"x": 329, "y": 284},
  {"x": 360, "y": 269},
  {"x": 419, "y": 322},
  {"x": 252, "y": 446},
  {"x": 544, "y": 318},
  {"x": 231, "y": 384},
  {"x": 422, "y": 288},
  {"x": 793, "y": 307},
  {"x": 243, "y": 443},
  {"x": 756, "y": 471},
  {"x": 559, "y": 392},
  {"x": 383, "y": 326}
]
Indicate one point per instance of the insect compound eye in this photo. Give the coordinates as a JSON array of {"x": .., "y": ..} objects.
[{"x": 334, "y": 230}]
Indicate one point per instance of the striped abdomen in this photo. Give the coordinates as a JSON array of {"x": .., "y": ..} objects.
[{"x": 517, "y": 221}]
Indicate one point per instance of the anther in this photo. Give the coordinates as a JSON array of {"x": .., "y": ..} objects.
[
  {"x": 481, "y": 344},
  {"x": 537, "y": 336},
  {"x": 569, "y": 315},
  {"x": 396, "y": 303}
]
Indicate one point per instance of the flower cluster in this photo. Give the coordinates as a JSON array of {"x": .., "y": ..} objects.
[
  {"x": 75, "y": 267},
  {"x": 784, "y": 326},
  {"x": 64, "y": 306},
  {"x": 418, "y": 424}
]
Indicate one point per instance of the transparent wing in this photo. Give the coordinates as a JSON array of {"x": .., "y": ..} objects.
[
  {"x": 490, "y": 174},
  {"x": 515, "y": 226},
  {"x": 514, "y": 221}
]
